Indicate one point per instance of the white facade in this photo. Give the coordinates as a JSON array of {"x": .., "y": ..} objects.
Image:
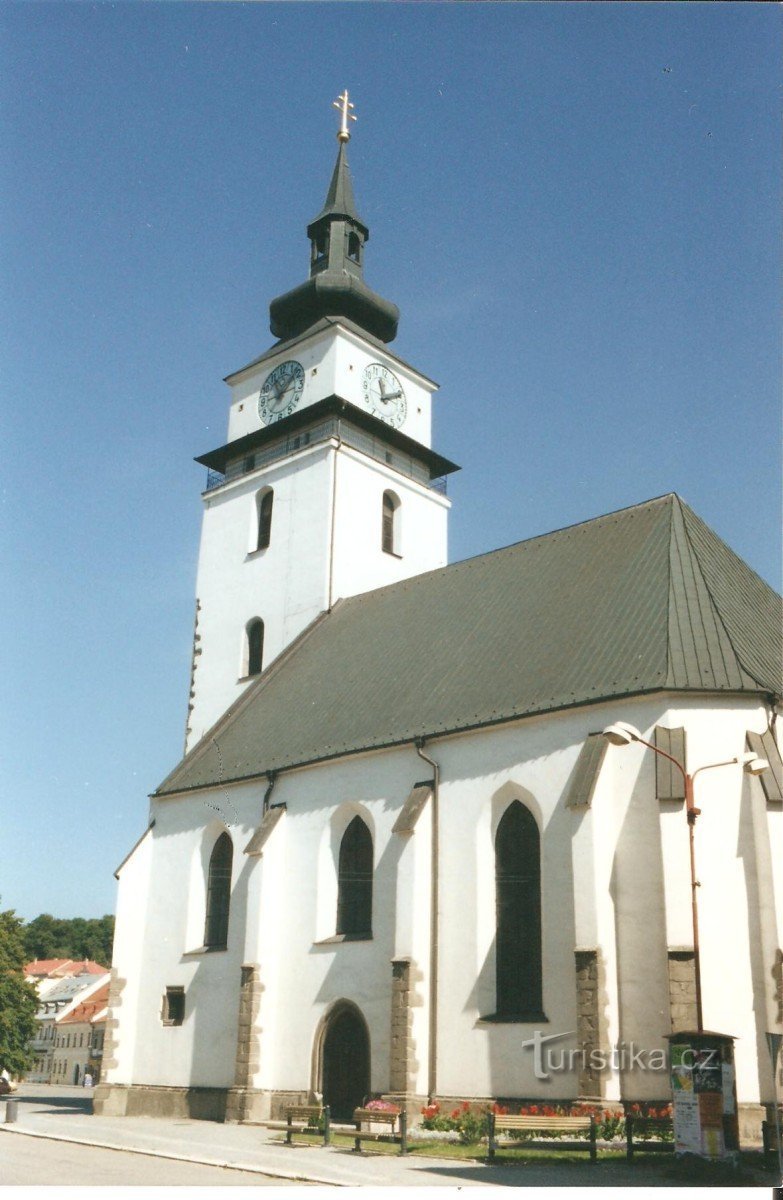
[
  {"x": 326, "y": 533},
  {"x": 615, "y": 879},
  {"x": 334, "y": 361}
]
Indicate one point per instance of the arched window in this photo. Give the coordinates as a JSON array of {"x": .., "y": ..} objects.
[
  {"x": 518, "y": 898},
  {"x": 218, "y": 894},
  {"x": 354, "y": 881},
  {"x": 390, "y": 524},
  {"x": 265, "y": 502},
  {"x": 255, "y": 646},
  {"x": 354, "y": 247}
]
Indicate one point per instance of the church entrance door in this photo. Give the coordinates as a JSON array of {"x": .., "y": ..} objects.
[{"x": 346, "y": 1063}]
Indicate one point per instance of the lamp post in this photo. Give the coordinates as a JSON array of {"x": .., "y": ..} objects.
[{"x": 621, "y": 734}]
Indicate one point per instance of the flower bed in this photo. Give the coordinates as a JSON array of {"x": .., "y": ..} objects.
[{"x": 471, "y": 1125}]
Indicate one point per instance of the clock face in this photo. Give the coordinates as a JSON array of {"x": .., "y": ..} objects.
[
  {"x": 281, "y": 391},
  {"x": 383, "y": 394}
]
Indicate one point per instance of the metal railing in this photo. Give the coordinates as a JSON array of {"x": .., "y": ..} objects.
[{"x": 373, "y": 447}]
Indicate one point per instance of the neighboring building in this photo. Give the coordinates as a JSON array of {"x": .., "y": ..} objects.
[
  {"x": 398, "y": 846},
  {"x": 79, "y": 1037},
  {"x": 57, "y": 989},
  {"x": 61, "y": 968}
]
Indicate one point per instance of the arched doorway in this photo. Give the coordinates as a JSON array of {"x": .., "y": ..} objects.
[{"x": 346, "y": 1062}]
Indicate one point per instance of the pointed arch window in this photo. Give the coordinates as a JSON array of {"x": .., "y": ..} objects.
[
  {"x": 265, "y": 502},
  {"x": 218, "y": 894},
  {"x": 354, "y": 881},
  {"x": 390, "y": 524},
  {"x": 518, "y": 909},
  {"x": 255, "y": 647}
]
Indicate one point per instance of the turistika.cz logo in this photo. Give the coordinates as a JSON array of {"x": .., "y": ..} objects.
[{"x": 549, "y": 1059}]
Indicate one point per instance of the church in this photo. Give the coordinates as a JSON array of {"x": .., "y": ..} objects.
[{"x": 430, "y": 838}]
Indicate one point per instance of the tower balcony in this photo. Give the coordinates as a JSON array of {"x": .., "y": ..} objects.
[{"x": 342, "y": 421}]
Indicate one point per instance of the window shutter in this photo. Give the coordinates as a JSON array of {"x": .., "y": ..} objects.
[
  {"x": 765, "y": 746},
  {"x": 585, "y": 774},
  {"x": 669, "y": 783}
]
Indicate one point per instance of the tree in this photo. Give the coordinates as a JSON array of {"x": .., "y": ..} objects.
[
  {"x": 18, "y": 998},
  {"x": 57, "y": 937}
]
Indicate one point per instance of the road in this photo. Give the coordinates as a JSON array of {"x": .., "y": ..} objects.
[{"x": 37, "y": 1161}]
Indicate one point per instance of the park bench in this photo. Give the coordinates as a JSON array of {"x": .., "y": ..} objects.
[
  {"x": 396, "y": 1127},
  {"x": 499, "y": 1123},
  {"x": 306, "y": 1119},
  {"x": 643, "y": 1128}
]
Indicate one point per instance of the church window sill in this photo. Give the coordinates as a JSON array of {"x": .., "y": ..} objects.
[
  {"x": 523, "y": 1018},
  {"x": 337, "y": 938},
  {"x": 204, "y": 950},
  {"x": 392, "y": 554}
]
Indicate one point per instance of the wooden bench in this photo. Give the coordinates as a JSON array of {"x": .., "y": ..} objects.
[
  {"x": 532, "y": 1124},
  {"x": 642, "y": 1128},
  {"x": 396, "y": 1127},
  {"x": 310, "y": 1119}
]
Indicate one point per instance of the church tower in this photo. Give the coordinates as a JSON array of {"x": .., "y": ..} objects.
[{"x": 327, "y": 484}]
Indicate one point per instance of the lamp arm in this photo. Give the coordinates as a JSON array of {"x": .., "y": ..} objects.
[
  {"x": 663, "y": 754},
  {"x": 730, "y": 762}
]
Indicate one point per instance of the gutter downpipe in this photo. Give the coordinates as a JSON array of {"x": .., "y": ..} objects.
[
  {"x": 332, "y": 518},
  {"x": 432, "y": 1063},
  {"x": 271, "y": 781}
]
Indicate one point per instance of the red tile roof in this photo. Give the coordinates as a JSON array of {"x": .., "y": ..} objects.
[
  {"x": 88, "y": 1009},
  {"x": 49, "y": 968}
]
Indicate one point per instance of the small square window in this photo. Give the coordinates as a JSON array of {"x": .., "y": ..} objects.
[{"x": 173, "y": 1006}]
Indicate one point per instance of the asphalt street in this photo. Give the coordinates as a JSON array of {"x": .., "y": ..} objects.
[{"x": 35, "y": 1162}]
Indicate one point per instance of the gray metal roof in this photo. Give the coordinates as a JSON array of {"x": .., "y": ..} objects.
[{"x": 641, "y": 600}]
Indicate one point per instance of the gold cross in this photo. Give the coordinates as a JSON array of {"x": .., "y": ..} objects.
[{"x": 344, "y": 105}]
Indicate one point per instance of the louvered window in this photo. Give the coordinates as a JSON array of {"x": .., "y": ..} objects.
[
  {"x": 354, "y": 881},
  {"x": 218, "y": 894},
  {"x": 265, "y": 519},
  {"x": 518, "y": 908},
  {"x": 390, "y": 524}
]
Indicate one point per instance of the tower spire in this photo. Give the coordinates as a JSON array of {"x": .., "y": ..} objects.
[{"x": 337, "y": 236}]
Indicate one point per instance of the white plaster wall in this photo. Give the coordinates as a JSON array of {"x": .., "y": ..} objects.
[
  {"x": 333, "y": 362},
  {"x": 133, "y": 941},
  {"x": 610, "y": 880},
  {"x": 287, "y": 584},
  {"x": 202, "y": 1051},
  {"x": 360, "y": 563}
]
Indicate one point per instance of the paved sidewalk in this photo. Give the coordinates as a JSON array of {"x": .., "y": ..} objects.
[{"x": 62, "y": 1113}]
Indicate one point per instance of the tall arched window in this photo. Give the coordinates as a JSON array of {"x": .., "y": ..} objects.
[
  {"x": 255, "y": 646},
  {"x": 518, "y": 898},
  {"x": 265, "y": 503},
  {"x": 390, "y": 524},
  {"x": 354, "y": 881},
  {"x": 218, "y": 894}
]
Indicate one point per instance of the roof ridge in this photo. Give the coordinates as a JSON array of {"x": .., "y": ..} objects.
[{"x": 714, "y": 603}]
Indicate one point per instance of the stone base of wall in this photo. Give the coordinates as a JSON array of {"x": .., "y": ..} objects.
[
  {"x": 248, "y": 1105},
  {"x": 147, "y": 1100},
  {"x": 750, "y": 1117}
]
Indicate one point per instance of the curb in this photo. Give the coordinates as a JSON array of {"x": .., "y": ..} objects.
[{"x": 252, "y": 1168}]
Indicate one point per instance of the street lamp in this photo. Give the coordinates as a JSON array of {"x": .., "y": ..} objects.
[{"x": 622, "y": 734}]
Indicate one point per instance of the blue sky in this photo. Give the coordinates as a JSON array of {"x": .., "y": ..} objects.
[{"x": 575, "y": 207}]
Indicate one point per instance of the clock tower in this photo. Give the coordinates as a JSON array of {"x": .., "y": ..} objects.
[{"x": 327, "y": 484}]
